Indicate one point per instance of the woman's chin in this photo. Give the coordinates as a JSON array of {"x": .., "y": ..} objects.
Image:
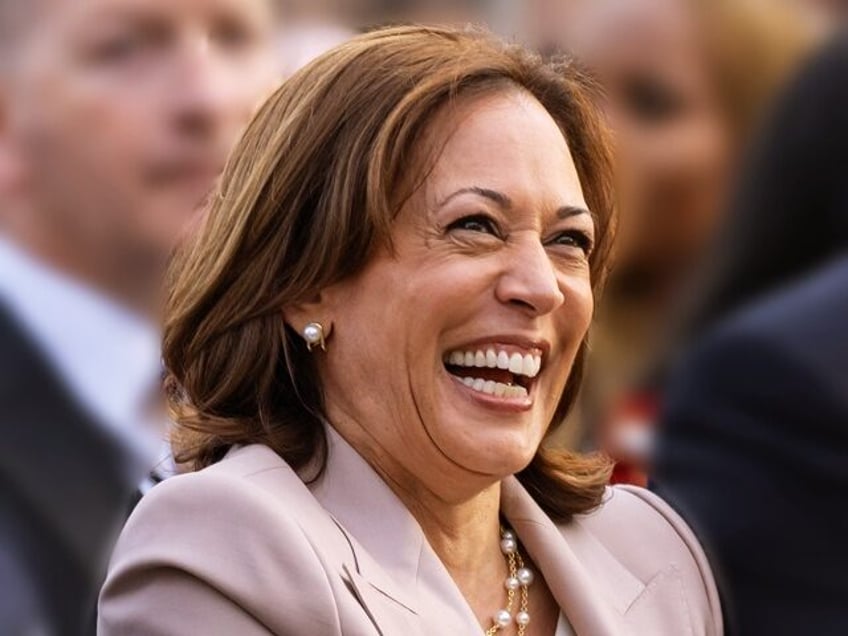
[
  {"x": 483, "y": 437},
  {"x": 495, "y": 454}
]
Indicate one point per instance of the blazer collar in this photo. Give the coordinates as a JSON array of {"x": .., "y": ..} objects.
[
  {"x": 393, "y": 557},
  {"x": 392, "y": 554},
  {"x": 595, "y": 601}
]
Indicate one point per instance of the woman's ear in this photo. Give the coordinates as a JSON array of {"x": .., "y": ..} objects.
[{"x": 311, "y": 320}]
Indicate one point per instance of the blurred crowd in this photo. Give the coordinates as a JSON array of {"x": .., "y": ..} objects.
[{"x": 718, "y": 371}]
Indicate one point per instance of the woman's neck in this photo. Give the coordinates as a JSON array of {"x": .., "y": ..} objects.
[
  {"x": 464, "y": 535},
  {"x": 463, "y": 530},
  {"x": 466, "y": 538},
  {"x": 459, "y": 517}
]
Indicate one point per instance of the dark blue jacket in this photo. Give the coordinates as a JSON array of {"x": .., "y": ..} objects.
[{"x": 754, "y": 453}]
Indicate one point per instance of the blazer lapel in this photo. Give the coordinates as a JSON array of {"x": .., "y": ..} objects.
[
  {"x": 381, "y": 540},
  {"x": 387, "y": 608},
  {"x": 389, "y": 616},
  {"x": 592, "y": 608},
  {"x": 396, "y": 576}
]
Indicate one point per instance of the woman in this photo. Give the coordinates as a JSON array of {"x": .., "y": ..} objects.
[
  {"x": 757, "y": 404},
  {"x": 687, "y": 82},
  {"x": 368, "y": 341}
]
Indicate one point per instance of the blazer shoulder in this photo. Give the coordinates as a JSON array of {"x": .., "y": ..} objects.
[
  {"x": 225, "y": 530},
  {"x": 229, "y": 485},
  {"x": 651, "y": 540},
  {"x": 653, "y": 520}
]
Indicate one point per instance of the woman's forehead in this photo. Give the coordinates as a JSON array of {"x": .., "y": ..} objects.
[{"x": 505, "y": 142}]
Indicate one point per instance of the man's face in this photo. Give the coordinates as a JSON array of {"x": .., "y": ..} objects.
[{"x": 119, "y": 115}]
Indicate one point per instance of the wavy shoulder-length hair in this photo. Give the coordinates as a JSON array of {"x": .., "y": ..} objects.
[{"x": 310, "y": 192}]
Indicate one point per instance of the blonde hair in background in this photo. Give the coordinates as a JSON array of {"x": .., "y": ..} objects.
[{"x": 753, "y": 46}]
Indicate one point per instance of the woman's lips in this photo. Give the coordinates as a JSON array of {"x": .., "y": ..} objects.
[{"x": 496, "y": 372}]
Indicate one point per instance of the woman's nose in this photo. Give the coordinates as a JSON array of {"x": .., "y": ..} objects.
[{"x": 529, "y": 280}]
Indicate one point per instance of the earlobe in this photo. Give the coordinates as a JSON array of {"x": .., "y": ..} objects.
[{"x": 310, "y": 322}]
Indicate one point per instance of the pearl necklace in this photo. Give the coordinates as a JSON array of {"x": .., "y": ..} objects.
[{"x": 519, "y": 578}]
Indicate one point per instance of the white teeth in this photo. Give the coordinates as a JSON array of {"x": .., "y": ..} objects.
[
  {"x": 498, "y": 389},
  {"x": 527, "y": 365},
  {"x": 503, "y": 360},
  {"x": 516, "y": 392},
  {"x": 516, "y": 363}
]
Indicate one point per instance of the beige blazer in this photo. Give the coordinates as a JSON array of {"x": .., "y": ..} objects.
[{"x": 244, "y": 548}]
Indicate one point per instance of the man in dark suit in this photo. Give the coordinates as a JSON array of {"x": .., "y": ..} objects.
[
  {"x": 753, "y": 449},
  {"x": 754, "y": 453},
  {"x": 115, "y": 120},
  {"x": 65, "y": 487}
]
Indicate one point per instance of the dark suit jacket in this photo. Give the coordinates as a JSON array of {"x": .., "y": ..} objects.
[
  {"x": 754, "y": 453},
  {"x": 64, "y": 491}
]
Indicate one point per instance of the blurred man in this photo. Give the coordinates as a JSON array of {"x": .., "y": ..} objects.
[
  {"x": 755, "y": 456},
  {"x": 754, "y": 443},
  {"x": 116, "y": 117}
]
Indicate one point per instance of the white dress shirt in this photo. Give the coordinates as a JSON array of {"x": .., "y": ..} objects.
[{"x": 108, "y": 358}]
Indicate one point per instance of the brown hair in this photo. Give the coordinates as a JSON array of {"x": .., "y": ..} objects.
[{"x": 309, "y": 192}]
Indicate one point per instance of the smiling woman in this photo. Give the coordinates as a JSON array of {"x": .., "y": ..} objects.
[{"x": 381, "y": 319}]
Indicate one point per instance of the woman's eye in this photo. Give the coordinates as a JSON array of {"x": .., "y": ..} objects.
[
  {"x": 651, "y": 101},
  {"x": 476, "y": 223},
  {"x": 233, "y": 35},
  {"x": 574, "y": 238},
  {"x": 117, "y": 49}
]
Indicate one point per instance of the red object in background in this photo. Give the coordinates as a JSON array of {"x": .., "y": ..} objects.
[
  {"x": 625, "y": 473},
  {"x": 628, "y": 437}
]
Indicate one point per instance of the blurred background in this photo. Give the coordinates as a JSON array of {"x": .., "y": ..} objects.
[{"x": 113, "y": 130}]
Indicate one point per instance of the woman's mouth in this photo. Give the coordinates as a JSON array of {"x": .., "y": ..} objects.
[{"x": 502, "y": 371}]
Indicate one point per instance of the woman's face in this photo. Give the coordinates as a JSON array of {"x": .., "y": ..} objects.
[
  {"x": 672, "y": 138},
  {"x": 448, "y": 356}
]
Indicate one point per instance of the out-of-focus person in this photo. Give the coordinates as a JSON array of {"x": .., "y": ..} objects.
[
  {"x": 373, "y": 13},
  {"x": 754, "y": 435},
  {"x": 116, "y": 117},
  {"x": 825, "y": 16},
  {"x": 305, "y": 29},
  {"x": 687, "y": 81},
  {"x": 367, "y": 341},
  {"x": 308, "y": 28}
]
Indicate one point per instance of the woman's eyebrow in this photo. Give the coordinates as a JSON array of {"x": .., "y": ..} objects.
[
  {"x": 498, "y": 197},
  {"x": 567, "y": 211},
  {"x": 505, "y": 202}
]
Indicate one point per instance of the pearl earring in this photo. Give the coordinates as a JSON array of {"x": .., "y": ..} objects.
[{"x": 313, "y": 333}]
